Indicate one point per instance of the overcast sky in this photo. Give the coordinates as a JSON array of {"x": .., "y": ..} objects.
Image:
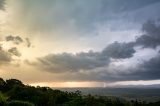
[{"x": 80, "y": 43}]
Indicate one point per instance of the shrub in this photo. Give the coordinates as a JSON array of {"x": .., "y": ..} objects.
[
  {"x": 19, "y": 103},
  {"x": 3, "y": 99}
]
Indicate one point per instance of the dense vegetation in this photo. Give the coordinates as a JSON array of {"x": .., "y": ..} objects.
[{"x": 14, "y": 93}]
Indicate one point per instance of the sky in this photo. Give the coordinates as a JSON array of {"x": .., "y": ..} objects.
[{"x": 80, "y": 43}]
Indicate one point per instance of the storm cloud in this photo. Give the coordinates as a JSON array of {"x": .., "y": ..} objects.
[
  {"x": 73, "y": 62},
  {"x": 86, "y": 60},
  {"x": 148, "y": 70},
  {"x": 151, "y": 37},
  {"x": 101, "y": 64},
  {"x": 119, "y": 50}
]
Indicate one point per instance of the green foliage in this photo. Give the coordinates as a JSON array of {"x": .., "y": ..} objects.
[
  {"x": 19, "y": 103},
  {"x": 3, "y": 99},
  {"x": 2, "y": 84},
  {"x": 19, "y": 94}
]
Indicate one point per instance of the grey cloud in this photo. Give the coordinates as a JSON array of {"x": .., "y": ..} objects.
[
  {"x": 14, "y": 51},
  {"x": 18, "y": 40},
  {"x": 70, "y": 62},
  {"x": 119, "y": 50},
  {"x": 151, "y": 38},
  {"x": 148, "y": 70},
  {"x": 97, "y": 63},
  {"x": 86, "y": 61},
  {"x": 80, "y": 14},
  {"x": 2, "y": 4},
  {"x": 14, "y": 39},
  {"x": 5, "y": 57}
]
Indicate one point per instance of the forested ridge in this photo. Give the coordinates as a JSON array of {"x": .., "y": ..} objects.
[{"x": 14, "y": 93}]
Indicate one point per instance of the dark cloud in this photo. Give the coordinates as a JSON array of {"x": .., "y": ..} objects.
[
  {"x": 15, "y": 39},
  {"x": 151, "y": 38},
  {"x": 70, "y": 62},
  {"x": 119, "y": 50},
  {"x": 14, "y": 51},
  {"x": 2, "y": 4},
  {"x": 99, "y": 62},
  {"x": 148, "y": 70},
  {"x": 86, "y": 61}
]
